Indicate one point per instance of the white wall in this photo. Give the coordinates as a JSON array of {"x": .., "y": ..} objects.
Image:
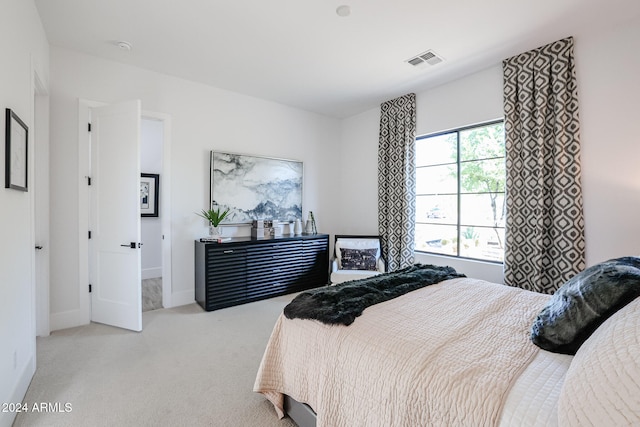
[
  {"x": 609, "y": 90},
  {"x": 24, "y": 50},
  {"x": 151, "y": 227},
  {"x": 203, "y": 119}
]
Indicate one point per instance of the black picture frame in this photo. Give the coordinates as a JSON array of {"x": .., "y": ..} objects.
[
  {"x": 16, "y": 152},
  {"x": 149, "y": 191}
]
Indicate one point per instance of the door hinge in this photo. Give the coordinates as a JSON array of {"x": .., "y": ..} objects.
[
  {"x": 89, "y": 233},
  {"x": 89, "y": 287},
  {"x": 89, "y": 127}
]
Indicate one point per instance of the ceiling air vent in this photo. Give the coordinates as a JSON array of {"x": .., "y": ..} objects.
[{"x": 428, "y": 57}]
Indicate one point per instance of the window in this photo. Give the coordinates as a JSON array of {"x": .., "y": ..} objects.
[{"x": 460, "y": 203}]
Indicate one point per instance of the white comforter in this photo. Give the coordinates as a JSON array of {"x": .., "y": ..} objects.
[{"x": 447, "y": 354}]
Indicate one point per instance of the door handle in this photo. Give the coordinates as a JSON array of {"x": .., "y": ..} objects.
[{"x": 132, "y": 245}]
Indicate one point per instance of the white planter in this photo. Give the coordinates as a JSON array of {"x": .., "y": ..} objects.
[{"x": 215, "y": 231}]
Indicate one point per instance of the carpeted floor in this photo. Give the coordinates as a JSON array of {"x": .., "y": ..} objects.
[{"x": 186, "y": 368}]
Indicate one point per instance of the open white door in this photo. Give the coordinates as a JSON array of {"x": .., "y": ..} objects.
[{"x": 115, "y": 270}]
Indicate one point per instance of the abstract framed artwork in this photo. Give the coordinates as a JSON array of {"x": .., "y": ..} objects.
[
  {"x": 254, "y": 187},
  {"x": 149, "y": 190},
  {"x": 16, "y": 154}
]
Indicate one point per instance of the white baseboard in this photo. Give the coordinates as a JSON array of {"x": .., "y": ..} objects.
[
  {"x": 19, "y": 391},
  {"x": 66, "y": 319},
  {"x": 182, "y": 298},
  {"x": 151, "y": 273}
]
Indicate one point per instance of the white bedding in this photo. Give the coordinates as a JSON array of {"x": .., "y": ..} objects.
[
  {"x": 447, "y": 354},
  {"x": 533, "y": 399},
  {"x": 602, "y": 385}
]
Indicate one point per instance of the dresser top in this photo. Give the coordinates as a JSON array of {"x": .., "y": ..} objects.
[{"x": 249, "y": 239}]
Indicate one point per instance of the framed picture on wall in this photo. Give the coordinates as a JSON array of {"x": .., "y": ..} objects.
[
  {"x": 254, "y": 187},
  {"x": 16, "y": 145},
  {"x": 149, "y": 190}
]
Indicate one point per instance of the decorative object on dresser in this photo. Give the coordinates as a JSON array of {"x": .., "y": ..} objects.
[
  {"x": 215, "y": 217},
  {"x": 246, "y": 269},
  {"x": 287, "y": 228},
  {"x": 254, "y": 187},
  {"x": 265, "y": 228},
  {"x": 311, "y": 227}
]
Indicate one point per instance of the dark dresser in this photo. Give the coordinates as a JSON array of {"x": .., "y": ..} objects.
[{"x": 248, "y": 269}]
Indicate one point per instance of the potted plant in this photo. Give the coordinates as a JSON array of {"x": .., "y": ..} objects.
[{"x": 215, "y": 217}]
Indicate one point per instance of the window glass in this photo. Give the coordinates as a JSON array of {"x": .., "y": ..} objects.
[
  {"x": 486, "y": 209},
  {"x": 483, "y": 142},
  {"x": 440, "y": 239},
  {"x": 437, "y": 209},
  {"x": 441, "y": 179},
  {"x": 482, "y": 243},
  {"x": 440, "y": 150},
  {"x": 480, "y": 176}
]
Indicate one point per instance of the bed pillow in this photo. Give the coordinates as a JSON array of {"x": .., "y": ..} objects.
[
  {"x": 356, "y": 243},
  {"x": 602, "y": 385},
  {"x": 584, "y": 302},
  {"x": 359, "y": 259}
]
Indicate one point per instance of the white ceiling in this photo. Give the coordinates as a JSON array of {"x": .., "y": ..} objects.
[{"x": 301, "y": 53}]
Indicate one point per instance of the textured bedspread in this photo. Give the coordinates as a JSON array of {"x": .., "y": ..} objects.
[{"x": 446, "y": 354}]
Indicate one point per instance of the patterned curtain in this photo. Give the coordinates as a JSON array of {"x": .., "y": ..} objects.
[
  {"x": 397, "y": 181},
  {"x": 545, "y": 243}
]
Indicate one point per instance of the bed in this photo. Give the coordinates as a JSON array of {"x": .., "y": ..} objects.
[{"x": 458, "y": 352}]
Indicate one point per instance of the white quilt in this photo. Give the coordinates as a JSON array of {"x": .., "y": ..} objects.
[
  {"x": 533, "y": 399},
  {"x": 447, "y": 354},
  {"x": 602, "y": 385}
]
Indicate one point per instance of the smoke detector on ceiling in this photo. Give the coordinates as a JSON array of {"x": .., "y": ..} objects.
[
  {"x": 344, "y": 10},
  {"x": 428, "y": 57},
  {"x": 124, "y": 45}
]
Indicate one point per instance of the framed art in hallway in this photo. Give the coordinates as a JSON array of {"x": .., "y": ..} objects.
[
  {"x": 16, "y": 154},
  {"x": 149, "y": 190}
]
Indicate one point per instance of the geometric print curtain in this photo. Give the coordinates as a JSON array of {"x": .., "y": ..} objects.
[
  {"x": 397, "y": 181},
  {"x": 544, "y": 241}
]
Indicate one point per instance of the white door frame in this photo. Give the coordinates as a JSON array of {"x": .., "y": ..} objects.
[
  {"x": 40, "y": 203},
  {"x": 84, "y": 157}
]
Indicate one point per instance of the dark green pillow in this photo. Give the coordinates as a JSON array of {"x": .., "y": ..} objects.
[{"x": 584, "y": 302}]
